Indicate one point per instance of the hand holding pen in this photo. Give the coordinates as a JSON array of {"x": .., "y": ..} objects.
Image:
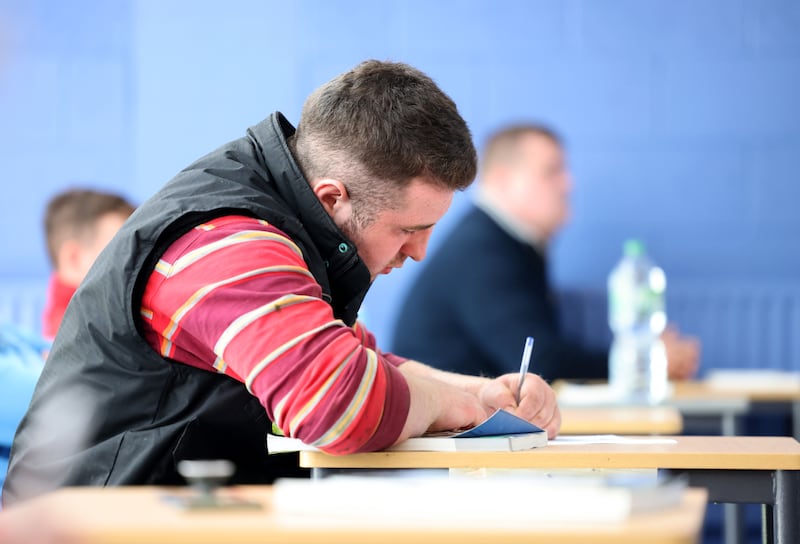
[
  {"x": 538, "y": 403},
  {"x": 524, "y": 365}
]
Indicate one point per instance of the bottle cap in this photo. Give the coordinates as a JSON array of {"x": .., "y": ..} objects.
[{"x": 633, "y": 248}]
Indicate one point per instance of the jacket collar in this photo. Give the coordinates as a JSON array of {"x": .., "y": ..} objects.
[{"x": 348, "y": 275}]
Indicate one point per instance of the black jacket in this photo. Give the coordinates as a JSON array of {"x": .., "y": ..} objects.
[
  {"x": 477, "y": 299},
  {"x": 108, "y": 409}
]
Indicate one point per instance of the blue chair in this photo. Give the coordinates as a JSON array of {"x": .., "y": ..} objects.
[{"x": 21, "y": 362}]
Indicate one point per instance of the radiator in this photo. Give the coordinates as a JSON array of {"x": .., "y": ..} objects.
[
  {"x": 22, "y": 302},
  {"x": 740, "y": 325}
]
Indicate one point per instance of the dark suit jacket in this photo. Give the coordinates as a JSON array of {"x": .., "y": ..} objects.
[{"x": 478, "y": 298}]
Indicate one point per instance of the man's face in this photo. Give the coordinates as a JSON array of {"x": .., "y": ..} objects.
[
  {"x": 399, "y": 233},
  {"x": 540, "y": 185}
]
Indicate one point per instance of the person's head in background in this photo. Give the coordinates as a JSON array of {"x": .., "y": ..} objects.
[
  {"x": 524, "y": 176},
  {"x": 78, "y": 224}
]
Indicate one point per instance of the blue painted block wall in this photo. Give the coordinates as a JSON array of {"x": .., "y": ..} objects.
[{"x": 681, "y": 117}]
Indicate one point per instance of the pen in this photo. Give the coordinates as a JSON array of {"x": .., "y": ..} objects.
[{"x": 523, "y": 366}]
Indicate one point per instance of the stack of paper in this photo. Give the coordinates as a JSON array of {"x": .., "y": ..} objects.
[{"x": 468, "y": 502}]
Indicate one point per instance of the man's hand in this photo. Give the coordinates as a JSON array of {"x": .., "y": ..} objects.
[
  {"x": 537, "y": 401},
  {"x": 683, "y": 354}
]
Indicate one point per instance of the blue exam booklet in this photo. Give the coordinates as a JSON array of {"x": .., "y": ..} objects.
[{"x": 500, "y": 423}]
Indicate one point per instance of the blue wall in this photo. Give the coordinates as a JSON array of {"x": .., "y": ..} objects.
[{"x": 682, "y": 117}]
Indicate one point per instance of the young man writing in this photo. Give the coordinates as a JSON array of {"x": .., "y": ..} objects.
[{"x": 229, "y": 300}]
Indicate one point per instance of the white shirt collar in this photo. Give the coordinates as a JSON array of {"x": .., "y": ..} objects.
[{"x": 512, "y": 226}]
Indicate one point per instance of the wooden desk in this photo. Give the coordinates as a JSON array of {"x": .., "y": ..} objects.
[
  {"x": 135, "y": 515},
  {"x": 735, "y": 469},
  {"x": 697, "y": 399},
  {"x": 754, "y": 392},
  {"x": 700, "y": 403},
  {"x": 728, "y": 403},
  {"x": 621, "y": 420}
]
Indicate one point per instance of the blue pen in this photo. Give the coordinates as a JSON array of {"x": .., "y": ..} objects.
[{"x": 523, "y": 367}]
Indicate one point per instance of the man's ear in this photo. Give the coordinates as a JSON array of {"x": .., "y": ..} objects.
[{"x": 334, "y": 197}]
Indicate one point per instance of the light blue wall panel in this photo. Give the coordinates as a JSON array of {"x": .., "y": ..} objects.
[{"x": 681, "y": 117}]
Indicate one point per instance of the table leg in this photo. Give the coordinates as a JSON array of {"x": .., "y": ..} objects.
[
  {"x": 767, "y": 528},
  {"x": 786, "y": 521},
  {"x": 733, "y": 527},
  {"x": 750, "y": 486},
  {"x": 730, "y": 424}
]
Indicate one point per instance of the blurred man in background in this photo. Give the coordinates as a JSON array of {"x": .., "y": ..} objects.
[
  {"x": 78, "y": 224},
  {"x": 487, "y": 288}
]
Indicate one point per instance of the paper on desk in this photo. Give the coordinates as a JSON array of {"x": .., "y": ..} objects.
[
  {"x": 578, "y": 440},
  {"x": 571, "y": 394},
  {"x": 753, "y": 379}
]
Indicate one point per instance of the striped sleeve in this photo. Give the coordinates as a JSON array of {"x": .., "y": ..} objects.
[
  {"x": 368, "y": 340},
  {"x": 235, "y": 296}
]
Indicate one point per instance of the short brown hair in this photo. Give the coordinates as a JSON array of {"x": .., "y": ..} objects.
[
  {"x": 75, "y": 213},
  {"x": 380, "y": 125},
  {"x": 502, "y": 147}
]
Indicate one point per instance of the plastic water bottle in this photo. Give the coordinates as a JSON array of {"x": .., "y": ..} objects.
[{"x": 636, "y": 315}]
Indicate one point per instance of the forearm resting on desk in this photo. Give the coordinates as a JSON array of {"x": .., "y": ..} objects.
[
  {"x": 471, "y": 384},
  {"x": 443, "y": 400}
]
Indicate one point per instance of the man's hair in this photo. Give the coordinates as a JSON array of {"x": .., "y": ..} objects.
[
  {"x": 377, "y": 127},
  {"x": 74, "y": 214},
  {"x": 502, "y": 147}
]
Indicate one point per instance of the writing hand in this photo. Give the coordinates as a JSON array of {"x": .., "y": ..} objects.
[{"x": 537, "y": 404}]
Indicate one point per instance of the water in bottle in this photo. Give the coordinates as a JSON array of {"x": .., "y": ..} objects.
[{"x": 636, "y": 315}]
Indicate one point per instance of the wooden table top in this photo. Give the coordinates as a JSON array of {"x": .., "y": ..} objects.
[
  {"x": 132, "y": 515},
  {"x": 621, "y": 420},
  {"x": 734, "y": 394},
  {"x": 753, "y": 392},
  {"x": 682, "y": 452}
]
